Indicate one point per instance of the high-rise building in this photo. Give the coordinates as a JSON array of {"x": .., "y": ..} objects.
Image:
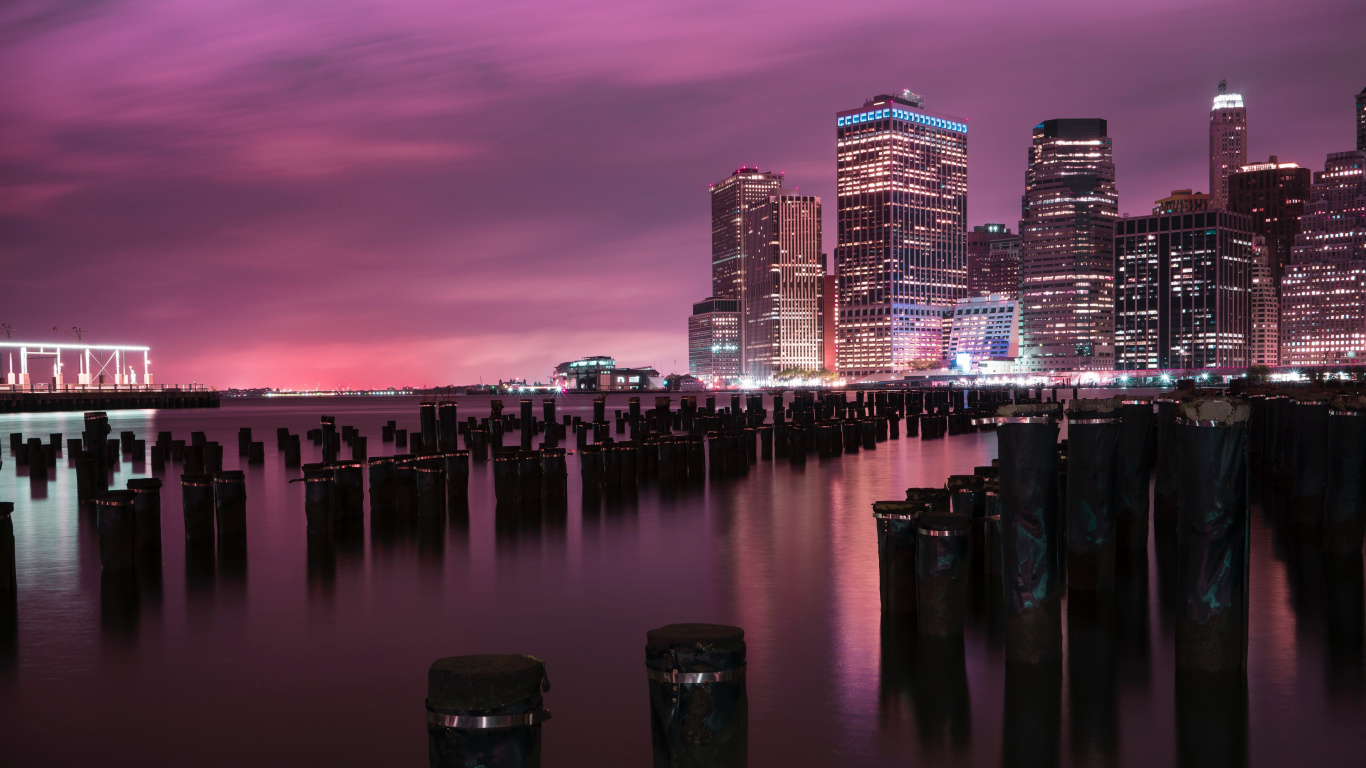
[
  {"x": 737, "y": 205},
  {"x": 1323, "y": 288},
  {"x": 1264, "y": 345},
  {"x": 901, "y": 256},
  {"x": 1182, "y": 291},
  {"x": 1227, "y": 143},
  {"x": 782, "y": 287},
  {"x": 983, "y": 328},
  {"x": 1273, "y": 194},
  {"x": 993, "y": 261},
  {"x": 1182, "y": 201},
  {"x": 1361, "y": 121},
  {"x": 829, "y": 304},
  {"x": 1067, "y": 266},
  {"x": 714, "y": 340}
]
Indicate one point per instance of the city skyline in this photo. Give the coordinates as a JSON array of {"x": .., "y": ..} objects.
[{"x": 311, "y": 208}]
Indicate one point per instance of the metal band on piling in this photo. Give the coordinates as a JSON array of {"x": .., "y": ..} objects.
[
  {"x": 695, "y": 678},
  {"x": 931, "y": 532},
  {"x": 487, "y": 722}
]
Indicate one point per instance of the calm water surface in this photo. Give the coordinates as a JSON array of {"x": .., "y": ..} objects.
[{"x": 294, "y": 658}]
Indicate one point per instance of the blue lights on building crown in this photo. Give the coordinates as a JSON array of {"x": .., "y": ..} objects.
[{"x": 901, "y": 114}]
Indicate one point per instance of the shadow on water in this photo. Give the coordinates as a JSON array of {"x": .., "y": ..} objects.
[
  {"x": 1033, "y": 716},
  {"x": 200, "y": 579},
  {"x": 1211, "y": 719},
  {"x": 1091, "y": 671},
  {"x": 1345, "y": 627},
  {"x": 119, "y": 607},
  {"x": 942, "y": 706},
  {"x": 896, "y": 690},
  {"x": 1132, "y": 649}
]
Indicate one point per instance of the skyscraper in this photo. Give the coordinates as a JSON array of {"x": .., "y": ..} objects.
[
  {"x": 737, "y": 203},
  {"x": 1182, "y": 201},
  {"x": 1264, "y": 345},
  {"x": 1227, "y": 143},
  {"x": 1067, "y": 261},
  {"x": 1273, "y": 194},
  {"x": 993, "y": 261},
  {"x": 1182, "y": 288},
  {"x": 1361, "y": 121},
  {"x": 714, "y": 339},
  {"x": 901, "y": 256},
  {"x": 782, "y": 288},
  {"x": 1323, "y": 288}
]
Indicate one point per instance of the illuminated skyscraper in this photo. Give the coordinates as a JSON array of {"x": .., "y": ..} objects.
[
  {"x": 737, "y": 204},
  {"x": 1273, "y": 194},
  {"x": 1182, "y": 291},
  {"x": 1182, "y": 201},
  {"x": 782, "y": 288},
  {"x": 1067, "y": 266},
  {"x": 993, "y": 261},
  {"x": 901, "y": 257},
  {"x": 1227, "y": 143},
  {"x": 714, "y": 340},
  {"x": 1323, "y": 288},
  {"x": 1361, "y": 121},
  {"x": 1264, "y": 345}
]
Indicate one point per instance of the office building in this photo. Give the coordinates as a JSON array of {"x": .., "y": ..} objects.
[
  {"x": 780, "y": 306},
  {"x": 1264, "y": 345},
  {"x": 1361, "y": 121},
  {"x": 1227, "y": 143},
  {"x": 1323, "y": 288},
  {"x": 983, "y": 328},
  {"x": 1067, "y": 268},
  {"x": 714, "y": 340},
  {"x": 993, "y": 261},
  {"x": 829, "y": 303},
  {"x": 1182, "y": 201},
  {"x": 1183, "y": 291},
  {"x": 738, "y": 203},
  {"x": 1273, "y": 194},
  {"x": 901, "y": 255}
]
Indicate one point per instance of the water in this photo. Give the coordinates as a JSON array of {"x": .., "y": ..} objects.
[{"x": 291, "y": 658}]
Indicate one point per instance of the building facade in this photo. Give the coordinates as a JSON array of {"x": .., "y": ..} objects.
[
  {"x": 901, "y": 255},
  {"x": 993, "y": 261},
  {"x": 1227, "y": 143},
  {"x": 1323, "y": 288},
  {"x": 1067, "y": 249},
  {"x": 1183, "y": 286},
  {"x": 983, "y": 328},
  {"x": 1361, "y": 121},
  {"x": 829, "y": 303},
  {"x": 1182, "y": 201},
  {"x": 738, "y": 203},
  {"x": 1264, "y": 345},
  {"x": 714, "y": 340},
  {"x": 781, "y": 303},
  {"x": 1273, "y": 194}
]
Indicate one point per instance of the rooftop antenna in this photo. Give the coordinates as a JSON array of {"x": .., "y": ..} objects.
[
  {"x": 7, "y": 328},
  {"x": 76, "y": 335}
]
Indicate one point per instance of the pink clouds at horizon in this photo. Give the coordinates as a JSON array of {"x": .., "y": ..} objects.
[{"x": 366, "y": 194}]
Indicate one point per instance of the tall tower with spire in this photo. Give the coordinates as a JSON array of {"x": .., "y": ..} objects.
[{"x": 1227, "y": 143}]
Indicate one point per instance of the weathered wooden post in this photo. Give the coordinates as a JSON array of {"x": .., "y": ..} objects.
[
  {"x": 458, "y": 478},
  {"x": 349, "y": 488},
  {"x": 196, "y": 496},
  {"x": 1212, "y": 536},
  {"x": 426, "y": 413},
  {"x": 1133, "y": 462},
  {"x": 1309, "y": 460},
  {"x": 896, "y": 551},
  {"x": 448, "y": 427},
  {"x": 941, "y": 573},
  {"x": 9, "y": 574},
  {"x": 1344, "y": 501},
  {"x": 485, "y": 711},
  {"x": 699, "y": 707},
  {"x": 431, "y": 488},
  {"x": 383, "y": 490},
  {"x": 1027, "y": 436},
  {"x": 117, "y": 523},
  {"x": 230, "y": 502},
  {"x": 1092, "y": 444},
  {"x": 1164, "y": 481},
  {"x": 320, "y": 484}
]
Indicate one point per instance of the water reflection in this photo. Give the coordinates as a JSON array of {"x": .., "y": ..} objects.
[
  {"x": 1091, "y": 672},
  {"x": 1133, "y": 648},
  {"x": 1033, "y": 716},
  {"x": 1345, "y": 627},
  {"x": 943, "y": 711},
  {"x": 119, "y": 606},
  {"x": 1211, "y": 719}
]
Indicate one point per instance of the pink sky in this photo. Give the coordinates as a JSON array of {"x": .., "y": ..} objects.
[{"x": 364, "y": 194}]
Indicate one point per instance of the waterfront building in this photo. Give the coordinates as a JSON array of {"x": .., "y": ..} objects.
[
  {"x": 1323, "y": 288},
  {"x": 1182, "y": 201},
  {"x": 901, "y": 255},
  {"x": 714, "y": 340},
  {"x": 983, "y": 328},
  {"x": 1183, "y": 291},
  {"x": 993, "y": 261},
  {"x": 1264, "y": 345},
  {"x": 1273, "y": 194},
  {"x": 1067, "y": 249},
  {"x": 781, "y": 302},
  {"x": 582, "y": 373},
  {"x": 738, "y": 204},
  {"x": 1227, "y": 143}
]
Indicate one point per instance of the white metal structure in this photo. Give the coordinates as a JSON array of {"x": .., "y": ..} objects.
[{"x": 97, "y": 364}]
